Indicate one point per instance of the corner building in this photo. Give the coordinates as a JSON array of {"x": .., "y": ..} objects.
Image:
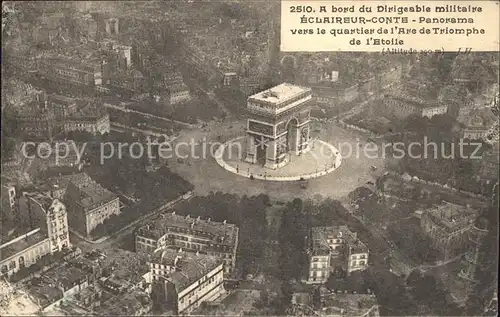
[
  {"x": 183, "y": 281},
  {"x": 192, "y": 235}
]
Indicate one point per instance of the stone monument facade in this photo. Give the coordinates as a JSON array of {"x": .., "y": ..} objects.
[{"x": 278, "y": 125}]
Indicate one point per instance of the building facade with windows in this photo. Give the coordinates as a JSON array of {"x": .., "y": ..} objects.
[
  {"x": 62, "y": 106},
  {"x": 35, "y": 119},
  {"x": 183, "y": 281},
  {"x": 405, "y": 106},
  {"x": 192, "y": 235},
  {"x": 89, "y": 204},
  {"x": 447, "y": 226},
  {"x": 47, "y": 234},
  {"x": 71, "y": 71},
  {"x": 95, "y": 124},
  {"x": 9, "y": 204},
  {"x": 334, "y": 247},
  {"x": 178, "y": 94}
]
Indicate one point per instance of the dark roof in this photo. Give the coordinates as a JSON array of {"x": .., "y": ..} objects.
[{"x": 91, "y": 193}]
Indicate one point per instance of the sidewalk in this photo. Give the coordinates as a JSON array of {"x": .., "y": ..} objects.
[{"x": 100, "y": 240}]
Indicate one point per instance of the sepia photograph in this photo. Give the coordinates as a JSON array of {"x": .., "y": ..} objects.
[{"x": 249, "y": 158}]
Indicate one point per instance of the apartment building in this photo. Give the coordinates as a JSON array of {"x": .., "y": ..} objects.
[
  {"x": 70, "y": 70},
  {"x": 402, "y": 106},
  {"x": 9, "y": 204},
  {"x": 62, "y": 106},
  {"x": 89, "y": 204},
  {"x": 447, "y": 226},
  {"x": 178, "y": 94},
  {"x": 183, "y": 281},
  {"x": 334, "y": 247},
  {"x": 192, "y": 235},
  {"x": 93, "y": 122},
  {"x": 45, "y": 233}
]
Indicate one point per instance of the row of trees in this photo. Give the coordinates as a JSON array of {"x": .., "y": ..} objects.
[
  {"x": 408, "y": 236},
  {"x": 153, "y": 190},
  {"x": 487, "y": 274},
  {"x": 248, "y": 213}
]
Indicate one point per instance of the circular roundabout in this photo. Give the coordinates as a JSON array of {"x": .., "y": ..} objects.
[{"x": 320, "y": 159}]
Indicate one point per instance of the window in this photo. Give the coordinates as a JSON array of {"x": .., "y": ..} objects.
[{"x": 361, "y": 262}]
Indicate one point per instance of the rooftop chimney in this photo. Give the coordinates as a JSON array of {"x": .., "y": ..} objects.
[
  {"x": 187, "y": 217},
  {"x": 208, "y": 220},
  {"x": 176, "y": 260},
  {"x": 224, "y": 221},
  {"x": 198, "y": 218},
  {"x": 192, "y": 225},
  {"x": 173, "y": 212}
]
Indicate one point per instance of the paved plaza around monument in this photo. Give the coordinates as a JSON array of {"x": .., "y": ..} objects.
[
  {"x": 321, "y": 159},
  {"x": 208, "y": 176}
]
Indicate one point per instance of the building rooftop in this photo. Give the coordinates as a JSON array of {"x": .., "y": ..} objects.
[
  {"x": 19, "y": 93},
  {"x": 321, "y": 235},
  {"x": 167, "y": 256},
  {"x": 43, "y": 292},
  {"x": 348, "y": 304},
  {"x": 129, "y": 303},
  {"x": 44, "y": 200},
  {"x": 280, "y": 93},
  {"x": 412, "y": 100},
  {"x": 451, "y": 217},
  {"x": 89, "y": 112},
  {"x": 62, "y": 99},
  {"x": 190, "y": 267},
  {"x": 416, "y": 94},
  {"x": 218, "y": 233},
  {"x": 59, "y": 182},
  {"x": 125, "y": 265},
  {"x": 65, "y": 276},
  {"x": 91, "y": 193},
  {"x": 177, "y": 88},
  {"x": 20, "y": 243},
  {"x": 87, "y": 64}
]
